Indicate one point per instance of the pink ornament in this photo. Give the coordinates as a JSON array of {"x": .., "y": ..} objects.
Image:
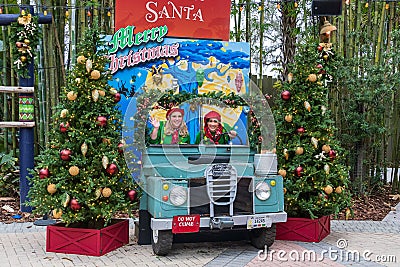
[
  {"x": 117, "y": 97},
  {"x": 285, "y": 95},
  {"x": 121, "y": 148},
  {"x": 74, "y": 204},
  {"x": 300, "y": 130},
  {"x": 332, "y": 154},
  {"x": 64, "y": 127},
  {"x": 65, "y": 154},
  {"x": 44, "y": 173},
  {"x": 299, "y": 171},
  {"x": 101, "y": 121},
  {"x": 112, "y": 169},
  {"x": 132, "y": 195}
]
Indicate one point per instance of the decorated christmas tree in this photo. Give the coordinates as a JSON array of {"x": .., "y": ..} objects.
[
  {"x": 81, "y": 177},
  {"x": 309, "y": 157}
]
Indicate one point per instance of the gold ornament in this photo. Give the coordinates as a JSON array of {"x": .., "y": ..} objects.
[
  {"x": 102, "y": 93},
  {"x": 104, "y": 161},
  {"x": 84, "y": 149},
  {"x": 288, "y": 118},
  {"x": 113, "y": 91},
  {"x": 326, "y": 148},
  {"x": 328, "y": 189},
  {"x": 314, "y": 142},
  {"x": 89, "y": 65},
  {"x": 284, "y": 190},
  {"x": 325, "y": 57},
  {"x": 72, "y": 95},
  {"x": 97, "y": 193},
  {"x": 57, "y": 213},
  {"x": 81, "y": 59},
  {"x": 312, "y": 77},
  {"x": 299, "y": 150},
  {"x": 282, "y": 173},
  {"x": 338, "y": 189},
  {"x": 67, "y": 198},
  {"x": 106, "y": 192},
  {"x": 64, "y": 113},
  {"x": 286, "y": 154},
  {"x": 326, "y": 168},
  {"x": 106, "y": 141},
  {"x": 74, "y": 170},
  {"x": 290, "y": 77},
  {"x": 51, "y": 188},
  {"x": 95, "y": 95},
  {"x": 95, "y": 74},
  {"x": 307, "y": 106}
]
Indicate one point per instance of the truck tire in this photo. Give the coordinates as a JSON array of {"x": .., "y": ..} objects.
[
  {"x": 262, "y": 237},
  {"x": 161, "y": 242}
]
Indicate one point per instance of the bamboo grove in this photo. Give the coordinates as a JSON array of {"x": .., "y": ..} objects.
[{"x": 364, "y": 95}]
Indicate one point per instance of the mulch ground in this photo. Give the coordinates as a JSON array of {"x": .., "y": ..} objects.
[{"x": 369, "y": 207}]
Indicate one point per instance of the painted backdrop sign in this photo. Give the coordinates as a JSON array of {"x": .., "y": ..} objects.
[
  {"x": 154, "y": 61},
  {"x": 200, "y": 19}
]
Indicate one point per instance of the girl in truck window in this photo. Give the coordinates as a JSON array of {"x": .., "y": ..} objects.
[
  {"x": 173, "y": 131},
  {"x": 214, "y": 132}
]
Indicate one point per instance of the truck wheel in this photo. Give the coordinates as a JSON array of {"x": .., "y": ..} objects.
[
  {"x": 161, "y": 241},
  {"x": 262, "y": 237}
]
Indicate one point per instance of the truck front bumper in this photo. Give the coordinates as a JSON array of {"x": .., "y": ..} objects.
[{"x": 205, "y": 222}]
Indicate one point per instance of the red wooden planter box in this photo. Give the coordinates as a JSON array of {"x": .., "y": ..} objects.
[
  {"x": 305, "y": 230},
  {"x": 91, "y": 242}
]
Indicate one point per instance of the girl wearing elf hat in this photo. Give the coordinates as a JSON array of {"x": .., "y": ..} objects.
[
  {"x": 173, "y": 131},
  {"x": 214, "y": 132}
]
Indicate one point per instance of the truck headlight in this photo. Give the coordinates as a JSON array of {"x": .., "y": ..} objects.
[
  {"x": 178, "y": 195},
  {"x": 263, "y": 191}
]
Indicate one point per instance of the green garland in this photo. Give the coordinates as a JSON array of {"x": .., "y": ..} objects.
[
  {"x": 25, "y": 34},
  {"x": 155, "y": 99}
]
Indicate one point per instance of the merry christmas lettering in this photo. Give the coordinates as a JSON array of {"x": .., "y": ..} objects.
[
  {"x": 126, "y": 37},
  {"x": 143, "y": 55},
  {"x": 172, "y": 11}
]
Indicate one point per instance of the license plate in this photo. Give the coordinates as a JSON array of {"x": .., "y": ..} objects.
[
  {"x": 185, "y": 224},
  {"x": 258, "y": 221}
]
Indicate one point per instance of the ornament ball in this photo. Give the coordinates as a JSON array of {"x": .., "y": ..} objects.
[
  {"x": 112, "y": 169},
  {"x": 44, "y": 173},
  {"x": 117, "y": 97},
  {"x": 299, "y": 171},
  {"x": 132, "y": 195},
  {"x": 74, "y": 204},
  {"x": 285, "y": 95},
  {"x": 65, "y": 154},
  {"x": 301, "y": 130},
  {"x": 332, "y": 154},
  {"x": 101, "y": 121}
]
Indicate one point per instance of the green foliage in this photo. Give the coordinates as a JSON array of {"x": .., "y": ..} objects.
[
  {"x": 94, "y": 147},
  {"x": 316, "y": 149},
  {"x": 9, "y": 175}
]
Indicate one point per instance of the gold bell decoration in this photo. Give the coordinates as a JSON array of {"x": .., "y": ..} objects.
[
  {"x": 307, "y": 106},
  {"x": 84, "y": 149},
  {"x": 89, "y": 65},
  {"x": 326, "y": 30},
  {"x": 95, "y": 95},
  {"x": 314, "y": 142},
  {"x": 105, "y": 162}
]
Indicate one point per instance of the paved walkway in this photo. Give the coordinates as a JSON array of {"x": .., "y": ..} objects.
[{"x": 351, "y": 243}]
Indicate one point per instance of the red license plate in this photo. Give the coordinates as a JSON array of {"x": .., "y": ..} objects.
[{"x": 185, "y": 224}]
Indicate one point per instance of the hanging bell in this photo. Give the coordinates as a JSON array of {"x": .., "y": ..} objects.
[{"x": 327, "y": 28}]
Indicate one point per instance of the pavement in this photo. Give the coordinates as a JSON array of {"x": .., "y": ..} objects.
[{"x": 350, "y": 243}]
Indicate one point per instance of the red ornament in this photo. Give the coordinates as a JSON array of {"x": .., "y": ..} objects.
[
  {"x": 64, "y": 127},
  {"x": 320, "y": 48},
  {"x": 319, "y": 66},
  {"x": 285, "y": 95},
  {"x": 131, "y": 195},
  {"x": 300, "y": 130},
  {"x": 117, "y": 97},
  {"x": 44, "y": 173},
  {"x": 112, "y": 169},
  {"x": 74, "y": 204},
  {"x": 121, "y": 148},
  {"x": 18, "y": 44},
  {"x": 65, "y": 154},
  {"x": 299, "y": 171},
  {"x": 332, "y": 154},
  {"x": 101, "y": 121}
]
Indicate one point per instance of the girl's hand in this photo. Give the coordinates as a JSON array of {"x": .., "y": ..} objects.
[
  {"x": 155, "y": 122},
  {"x": 232, "y": 134}
]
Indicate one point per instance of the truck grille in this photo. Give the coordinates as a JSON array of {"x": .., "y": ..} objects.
[{"x": 221, "y": 183}]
